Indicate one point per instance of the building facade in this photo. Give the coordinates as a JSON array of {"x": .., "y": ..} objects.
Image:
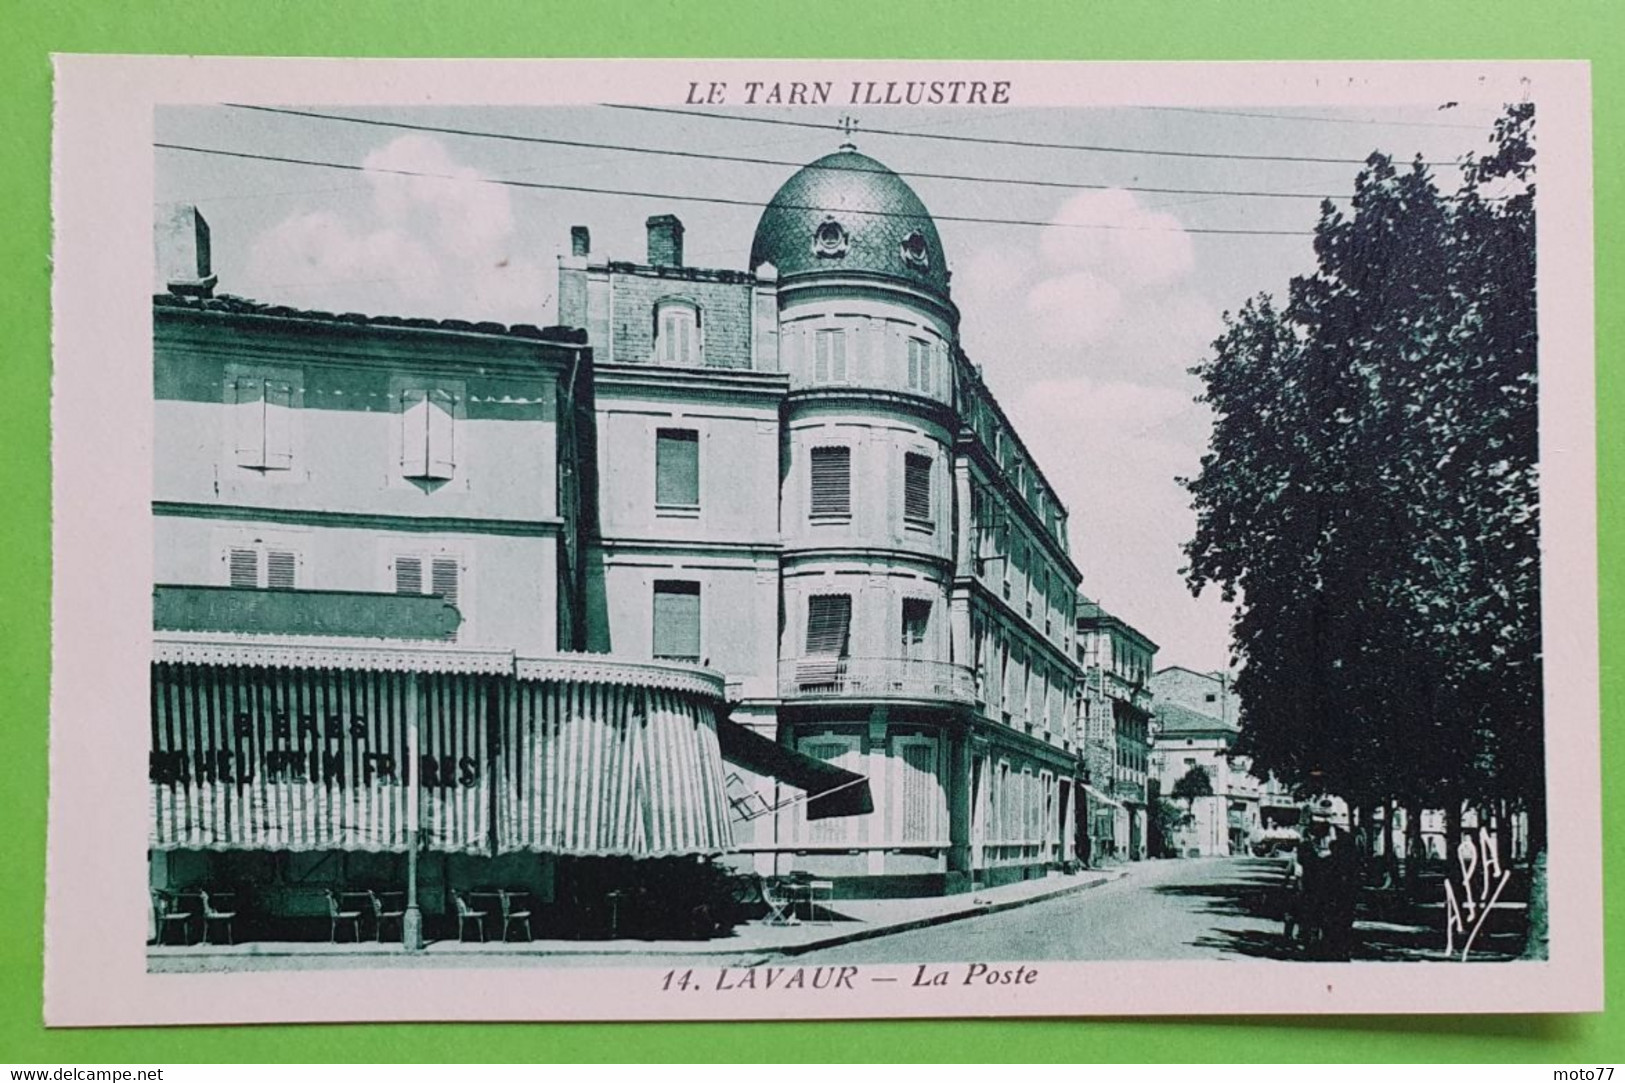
[
  {"x": 1198, "y": 721},
  {"x": 370, "y": 609},
  {"x": 805, "y": 484},
  {"x": 732, "y": 562},
  {"x": 1115, "y": 711}
]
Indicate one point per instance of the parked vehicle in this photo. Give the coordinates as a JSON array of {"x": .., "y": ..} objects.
[{"x": 1276, "y": 842}]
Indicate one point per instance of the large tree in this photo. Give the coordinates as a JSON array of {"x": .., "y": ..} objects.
[{"x": 1370, "y": 495}]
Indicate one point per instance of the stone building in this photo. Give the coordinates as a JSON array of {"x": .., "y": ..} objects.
[
  {"x": 805, "y": 484},
  {"x": 1198, "y": 722},
  {"x": 370, "y": 605},
  {"x": 1115, "y": 711}
]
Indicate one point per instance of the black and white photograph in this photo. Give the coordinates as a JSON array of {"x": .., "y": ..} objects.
[{"x": 798, "y": 539}]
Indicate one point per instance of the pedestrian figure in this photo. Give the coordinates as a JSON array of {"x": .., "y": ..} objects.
[{"x": 1328, "y": 874}]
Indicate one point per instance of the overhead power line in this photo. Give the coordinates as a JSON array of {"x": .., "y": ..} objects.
[
  {"x": 719, "y": 200},
  {"x": 477, "y": 133},
  {"x": 1314, "y": 119},
  {"x": 1093, "y": 148}
]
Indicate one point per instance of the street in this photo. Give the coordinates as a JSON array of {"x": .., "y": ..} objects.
[
  {"x": 1206, "y": 908},
  {"x": 1197, "y": 909}
]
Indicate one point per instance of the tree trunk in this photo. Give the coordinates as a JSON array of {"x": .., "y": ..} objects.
[
  {"x": 1390, "y": 855},
  {"x": 1413, "y": 849},
  {"x": 1452, "y": 828}
]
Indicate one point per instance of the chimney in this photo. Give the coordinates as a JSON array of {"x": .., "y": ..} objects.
[
  {"x": 665, "y": 241},
  {"x": 580, "y": 241},
  {"x": 181, "y": 251}
]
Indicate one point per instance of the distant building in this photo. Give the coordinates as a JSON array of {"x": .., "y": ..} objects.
[
  {"x": 1115, "y": 710},
  {"x": 1198, "y": 722}
]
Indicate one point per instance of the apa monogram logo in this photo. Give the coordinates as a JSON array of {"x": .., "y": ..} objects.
[{"x": 1482, "y": 881}]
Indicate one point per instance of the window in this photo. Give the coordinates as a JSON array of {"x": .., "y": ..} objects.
[
  {"x": 829, "y": 357},
  {"x": 917, "y": 489},
  {"x": 437, "y": 574},
  {"x": 829, "y": 621},
  {"x": 920, "y": 790},
  {"x": 677, "y": 333},
  {"x": 831, "y": 481},
  {"x": 428, "y": 433},
  {"x": 1211, "y": 697},
  {"x": 676, "y": 620},
  {"x": 677, "y": 468},
  {"x": 843, "y": 752},
  {"x": 916, "y": 626},
  {"x": 919, "y": 365},
  {"x": 262, "y": 421},
  {"x": 262, "y": 566},
  {"x": 1001, "y": 802}
]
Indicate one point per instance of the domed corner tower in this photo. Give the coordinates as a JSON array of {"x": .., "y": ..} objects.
[{"x": 867, "y": 673}]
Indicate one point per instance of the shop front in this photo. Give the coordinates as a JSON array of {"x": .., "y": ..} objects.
[{"x": 334, "y": 791}]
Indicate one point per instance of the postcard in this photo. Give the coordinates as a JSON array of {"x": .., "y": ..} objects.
[{"x": 726, "y": 540}]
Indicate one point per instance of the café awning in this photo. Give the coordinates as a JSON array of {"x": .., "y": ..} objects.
[
  {"x": 831, "y": 791},
  {"x": 602, "y": 758}
]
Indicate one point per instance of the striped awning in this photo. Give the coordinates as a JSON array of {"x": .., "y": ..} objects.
[
  {"x": 595, "y": 768},
  {"x": 584, "y": 756}
]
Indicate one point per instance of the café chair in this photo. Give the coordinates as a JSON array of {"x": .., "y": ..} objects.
[
  {"x": 215, "y": 916},
  {"x": 381, "y": 914},
  {"x": 511, "y": 916},
  {"x": 337, "y": 916},
  {"x": 167, "y": 909},
  {"x": 465, "y": 914},
  {"x": 779, "y": 902}
]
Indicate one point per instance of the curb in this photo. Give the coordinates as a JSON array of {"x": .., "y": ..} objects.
[
  {"x": 876, "y": 931},
  {"x": 836, "y": 940}
]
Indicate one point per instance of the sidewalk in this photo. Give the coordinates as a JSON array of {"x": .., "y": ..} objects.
[{"x": 843, "y": 922}]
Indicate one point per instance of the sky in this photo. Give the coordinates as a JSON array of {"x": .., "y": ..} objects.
[{"x": 1085, "y": 324}]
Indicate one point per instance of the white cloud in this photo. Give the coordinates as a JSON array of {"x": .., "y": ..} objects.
[
  {"x": 436, "y": 245},
  {"x": 1112, "y": 236},
  {"x": 1073, "y": 309}
]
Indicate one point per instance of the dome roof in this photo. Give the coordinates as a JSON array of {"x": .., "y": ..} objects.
[{"x": 848, "y": 213}]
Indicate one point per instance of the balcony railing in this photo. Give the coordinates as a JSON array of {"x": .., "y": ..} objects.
[{"x": 875, "y": 678}]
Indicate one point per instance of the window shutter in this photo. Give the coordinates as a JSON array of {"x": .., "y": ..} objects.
[
  {"x": 278, "y": 425},
  {"x": 916, "y": 624},
  {"x": 280, "y": 569},
  {"x": 831, "y": 481},
  {"x": 244, "y": 567},
  {"x": 443, "y": 576},
  {"x": 440, "y": 434},
  {"x": 919, "y": 793},
  {"x": 829, "y": 618},
  {"x": 248, "y": 420},
  {"x": 415, "y": 433},
  {"x": 917, "y": 487},
  {"x": 837, "y": 356},
  {"x": 919, "y": 365},
  {"x": 408, "y": 575},
  {"x": 821, "y": 365},
  {"x": 842, "y": 754},
  {"x": 677, "y": 621},
  {"x": 677, "y": 468}
]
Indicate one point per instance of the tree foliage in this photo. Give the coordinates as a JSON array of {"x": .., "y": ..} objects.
[
  {"x": 1193, "y": 784},
  {"x": 1369, "y": 496}
]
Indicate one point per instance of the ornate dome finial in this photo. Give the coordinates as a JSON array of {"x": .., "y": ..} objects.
[{"x": 848, "y": 123}]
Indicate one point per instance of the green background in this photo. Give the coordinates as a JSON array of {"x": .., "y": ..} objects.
[{"x": 986, "y": 29}]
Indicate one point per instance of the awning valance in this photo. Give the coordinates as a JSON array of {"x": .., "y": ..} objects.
[{"x": 831, "y": 791}]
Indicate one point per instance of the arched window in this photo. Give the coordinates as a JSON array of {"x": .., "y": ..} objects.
[{"x": 677, "y": 333}]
